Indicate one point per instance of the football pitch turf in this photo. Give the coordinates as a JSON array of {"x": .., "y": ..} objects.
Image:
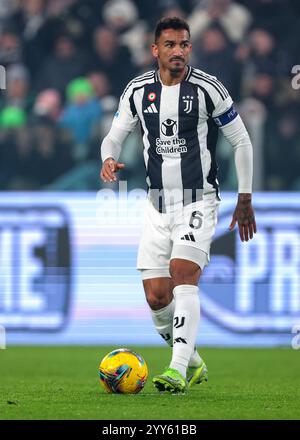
[{"x": 62, "y": 383}]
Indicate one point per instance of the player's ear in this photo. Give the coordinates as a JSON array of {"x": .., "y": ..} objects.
[{"x": 154, "y": 50}]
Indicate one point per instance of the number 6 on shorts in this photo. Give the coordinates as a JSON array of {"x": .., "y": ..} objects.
[{"x": 196, "y": 220}]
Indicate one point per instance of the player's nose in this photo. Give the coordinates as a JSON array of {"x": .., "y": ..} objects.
[
  {"x": 178, "y": 52},
  {"x": 178, "y": 48}
]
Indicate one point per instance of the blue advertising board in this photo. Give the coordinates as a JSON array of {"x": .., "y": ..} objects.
[{"x": 68, "y": 276}]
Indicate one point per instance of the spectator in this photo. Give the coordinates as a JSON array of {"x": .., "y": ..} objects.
[
  {"x": 48, "y": 104},
  {"x": 51, "y": 155},
  {"x": 81, "y": 114},
  {"x": 280, "y": 19},
  {"x": 282, "y": 152},
  {"x": 262, "y": 88},
  {"x": 6, "y": 9},
  {"x": 58, "y": 7},
  {"x": 101, "y": 84},
  {"x": 10, "y": 48},
  {"x": 264, "y": 54},
  {"x": 17, "y": 91},
  {"x": 234, "y": 18},
  {"x": 29, "y": 17},
  {"x": 274, "y": 16},
  {"x": 64, "y": 65},
  {"x": 15, "y": 145},
  {"x": 109, "y": 103},
  {"x": 214, "y": 54},
  {"x": 76, "y": 18},
  {"x": 112, "y": 58},
  {"x": 31, "y": 23},
  {"x": 34, "y": 155},
  {"x": 122, "y": 17},
  {"x": 262, "y": 49}
]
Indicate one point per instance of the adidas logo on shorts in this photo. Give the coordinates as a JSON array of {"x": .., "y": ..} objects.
[{"x": 188, "y": 237}]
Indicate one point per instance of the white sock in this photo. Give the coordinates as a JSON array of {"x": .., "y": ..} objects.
[
  {"x": 196, "y": 359},
  {"x": 163, "y": 321},
  {"x": 185, "y": 325}
]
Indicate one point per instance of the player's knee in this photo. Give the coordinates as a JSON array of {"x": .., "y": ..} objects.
[
  {"x": 159, "y": 292},
  {"x": 184, "y": 272},
  {"x": 157, "y": 299}
]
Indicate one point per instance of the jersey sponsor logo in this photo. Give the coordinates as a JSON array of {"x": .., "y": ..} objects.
[
  {"x": 151, "y": 109},
  {"x": 171, "y": 146},
  {"x": 117, "y": 114},
  {"x": 152, "y": 96},
  {"x": 188, "y": 100},
  {"x": 169, "y": 127},
  {"x": 259, "y": 280}
]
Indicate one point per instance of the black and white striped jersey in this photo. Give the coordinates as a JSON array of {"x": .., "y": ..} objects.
[{"x": 180, "y": 129}]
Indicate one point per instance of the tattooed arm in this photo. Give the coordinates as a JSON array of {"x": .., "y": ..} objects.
[
  {"x": 236, "y": 133},
  {"x": 244, "y": 216}
]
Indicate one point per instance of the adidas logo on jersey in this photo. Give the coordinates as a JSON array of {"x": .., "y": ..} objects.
[
  {"x": 151, "y": 109},
  {"x": 188, "y": 237}
]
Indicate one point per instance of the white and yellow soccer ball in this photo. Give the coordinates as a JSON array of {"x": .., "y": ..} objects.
[{"x": 123, "y": 371}]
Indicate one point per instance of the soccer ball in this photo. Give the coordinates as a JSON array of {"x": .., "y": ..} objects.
[{"x": 123, "y": 371}]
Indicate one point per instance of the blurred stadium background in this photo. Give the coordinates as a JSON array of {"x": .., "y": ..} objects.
[{"x": 67, "y": 255}]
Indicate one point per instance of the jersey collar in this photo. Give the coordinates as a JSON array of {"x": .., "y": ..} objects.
[{"x": 186, "y": 78}]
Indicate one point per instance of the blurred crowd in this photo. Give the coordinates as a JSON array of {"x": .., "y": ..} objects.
[{"x": 67, "y": 62}]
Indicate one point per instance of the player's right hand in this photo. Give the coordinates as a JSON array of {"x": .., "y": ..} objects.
[{"x": 109, "y": 168}]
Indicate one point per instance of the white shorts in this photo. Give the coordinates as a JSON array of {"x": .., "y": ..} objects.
[{"x": 185, "y": 232}]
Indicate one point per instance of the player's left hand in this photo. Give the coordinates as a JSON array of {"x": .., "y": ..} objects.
[{"x": 244, "y": 216}]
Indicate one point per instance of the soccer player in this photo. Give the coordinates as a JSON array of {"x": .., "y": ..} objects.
[{"x": 180, "y": 110}]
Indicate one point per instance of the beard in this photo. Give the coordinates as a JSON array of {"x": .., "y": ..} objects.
[{"x": 177, "y": 68}]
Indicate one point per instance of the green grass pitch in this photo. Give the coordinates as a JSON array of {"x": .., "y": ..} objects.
[{"x": 62, "y": 383}]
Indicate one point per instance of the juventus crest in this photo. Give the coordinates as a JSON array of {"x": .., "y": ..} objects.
[
  {"x": 188, "y": 101},
  {"x": 179, "y": 322}
]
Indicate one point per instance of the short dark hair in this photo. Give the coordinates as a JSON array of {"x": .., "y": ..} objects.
[{"x": 170, "y": 23}]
